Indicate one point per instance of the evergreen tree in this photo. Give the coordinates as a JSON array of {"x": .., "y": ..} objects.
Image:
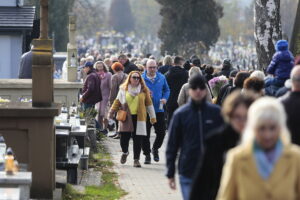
[
  {"x": 120, "y": 16},
  {"x": 189, "y": 23},
  {"x": 58, "y": 22}
]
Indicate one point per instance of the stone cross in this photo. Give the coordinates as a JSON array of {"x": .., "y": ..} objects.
[
  {"x": 72, "y": 50},
  {"x": 42, "y": 63}
]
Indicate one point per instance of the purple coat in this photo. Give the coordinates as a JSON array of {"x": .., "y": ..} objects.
[
  {"x": 105, "y": 91},
  {"x": 91, "y": 92}
]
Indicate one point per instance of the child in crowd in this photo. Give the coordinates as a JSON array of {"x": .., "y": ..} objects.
[{"x": 281, "y": 65}]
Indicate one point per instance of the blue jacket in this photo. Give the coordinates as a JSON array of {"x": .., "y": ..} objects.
[
  {"x": 281, "y": 65},
  {"x": 188, "y": 128},
  {"x": 159, "y": 89}
]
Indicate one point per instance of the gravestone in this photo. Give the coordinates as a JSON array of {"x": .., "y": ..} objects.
[{"x": 29, "y": 128}]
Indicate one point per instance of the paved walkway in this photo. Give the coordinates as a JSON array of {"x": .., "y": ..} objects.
[{"x": 146, "y": 183}]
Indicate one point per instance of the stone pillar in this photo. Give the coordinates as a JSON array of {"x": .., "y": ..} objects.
[
  {"x": 72, "y": 50},
  {"x": 295, "y": 42},
  {"x": 42, "y": 63}
]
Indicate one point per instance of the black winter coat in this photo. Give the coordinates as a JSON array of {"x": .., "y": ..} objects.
[
  {"x": 291, "y": 103},
  {"x": 208, "y": 175},
  {"x": 176, "y": 77},
  {"x": 225, "y": 72},
  {"x": 129, "y": 67},
  {"x": 164, "y": 69},
  {"x": 188, "y": 128}
]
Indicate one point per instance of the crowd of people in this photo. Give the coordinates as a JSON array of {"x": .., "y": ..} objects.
[
  {"x": 242, "y": 53},
  {"x": 234, "y": 132}
]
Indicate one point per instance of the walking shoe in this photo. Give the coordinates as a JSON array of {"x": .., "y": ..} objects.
[
  {"x": 155, "y": 155},
  {"x": 113, "y": 135},
  {"x": 147, "y": 159},
  {"x": 104, "y": 131},
  {"x": 117, "y": 136},
  {"x": 136, "y": 163},
  {"x": 124, "y": 158}
]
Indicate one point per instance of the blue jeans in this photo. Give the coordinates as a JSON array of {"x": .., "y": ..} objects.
[
  {"x": 275, "y": 82},
  {"x": 185, "y": 184}
]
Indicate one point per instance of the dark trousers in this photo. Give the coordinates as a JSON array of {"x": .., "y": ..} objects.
[
  {"x": 137, "y": 140},
  {"x": 170, "y": 111},
  {"x": 160, "y": 132},
  {"x": 88, "y": 105}
]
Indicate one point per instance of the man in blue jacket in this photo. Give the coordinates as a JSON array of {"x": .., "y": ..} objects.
[
  {"x": 189, "y": 126},
  {"x": 160, "y": 92}
]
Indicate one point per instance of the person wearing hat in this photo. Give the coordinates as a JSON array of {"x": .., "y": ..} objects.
[
  {"x": 190, "y": 125},
  {"x": 91, "y": 92},
  {"x": 226, "y": 68},
  {"x": 281, "y": 65}
]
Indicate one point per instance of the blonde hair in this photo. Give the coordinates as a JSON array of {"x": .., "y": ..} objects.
[
  {"x": 258, "y": 74},
  {"x": 140, "y": 67},
  {"x": 194, "y": 71},
  {"x": 263, "y": 109},
  {"x": 168, "y": 60}
]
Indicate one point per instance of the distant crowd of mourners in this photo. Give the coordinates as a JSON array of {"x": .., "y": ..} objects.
[{"x": 233, "y": 138}]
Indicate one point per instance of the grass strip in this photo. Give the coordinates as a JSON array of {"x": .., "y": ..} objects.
[{"x": 109, "y": 189}]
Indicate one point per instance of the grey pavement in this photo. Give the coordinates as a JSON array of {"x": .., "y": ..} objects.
[{"x": 146, "y": 183}]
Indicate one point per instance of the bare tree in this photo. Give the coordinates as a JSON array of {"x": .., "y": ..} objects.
[{"x": 267, "y": 29}]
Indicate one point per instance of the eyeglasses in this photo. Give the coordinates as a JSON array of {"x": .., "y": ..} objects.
[
  {"x": 152, "y": 67},
  {"x": 195, "y": 87},
  {"x": 136, "y": 77}
]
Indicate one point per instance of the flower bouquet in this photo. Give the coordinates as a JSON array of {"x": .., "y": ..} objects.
[
  {"x": 216, "y": 84},
  {"x": 4, "y": 100}
]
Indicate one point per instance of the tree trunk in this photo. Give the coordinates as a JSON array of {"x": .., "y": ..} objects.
[
  {"x": 295, "y": 42},
  {"x": 267, "y": 30}
]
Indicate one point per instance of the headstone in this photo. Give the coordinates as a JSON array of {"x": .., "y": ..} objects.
[
  {"x": 10, "y": 193},
  {"x": 20, "y": 180}
]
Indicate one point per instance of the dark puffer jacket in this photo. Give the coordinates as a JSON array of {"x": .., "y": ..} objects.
[
  {"x": 190, "y": 125},
  {"x": 281, "y": 65},
  {"x": 129, "y": 67},
  {"x": 91, "y": 92},
  {"x": 176, "y": 77}
]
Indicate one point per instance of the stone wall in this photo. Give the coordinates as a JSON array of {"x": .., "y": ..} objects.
[{"x": 14, "y": 89}]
